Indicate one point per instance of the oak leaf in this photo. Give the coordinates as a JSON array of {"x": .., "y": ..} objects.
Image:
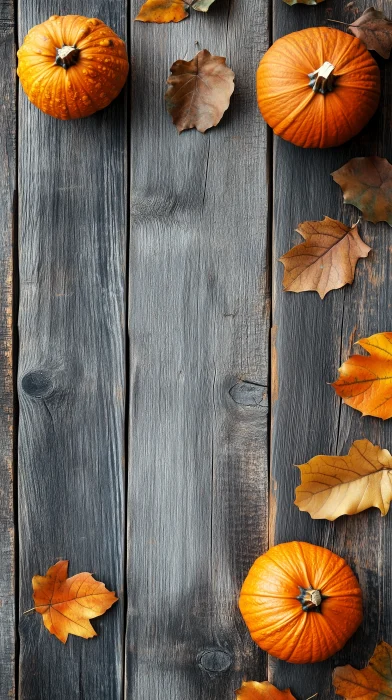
[
  {"x": 67, "y": 604},
  {"x": 375, "y": 30},
  {"x": 326, "y": 260},
  {"x": 251, "y": 690},
  {"x": 365, "y": 381},
  {"x": 367, "y": 184},
  {"x": 163, "y": 11},
  {"x": 371, "y": 683},
  {"x": 199, "y": 91},
  {"x": 334, "y": 486}
]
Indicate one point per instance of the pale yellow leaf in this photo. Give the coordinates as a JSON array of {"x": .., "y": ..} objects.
[{"x": 334, "y": 486}]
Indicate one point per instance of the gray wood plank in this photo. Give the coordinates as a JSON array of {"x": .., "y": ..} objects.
[
  {"x": 7, "y": 211},
  {"x": 313, "y": 338},
  {"x": 198, "y": 324},
  {"x": 71, "y": 372}
]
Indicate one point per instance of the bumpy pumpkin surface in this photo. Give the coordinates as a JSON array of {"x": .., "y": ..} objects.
[
  {"x": 72, "y": 66},
  {"x": 318, "y": 87},
  {"x": 301, "y": 603}
]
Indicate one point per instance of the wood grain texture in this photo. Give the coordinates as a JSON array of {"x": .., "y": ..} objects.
[
  {"x": 7, "y": 211},
  {"x": 313, "y": 337},
  {"x": 72, "y": 236},
  {"x": 198, "y": 324}
]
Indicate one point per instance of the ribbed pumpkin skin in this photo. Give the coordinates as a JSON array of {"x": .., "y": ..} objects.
[
  {"x": 302, "y": 116},
  {"x": 275, "y": 618},
  {"x": 91, "y": 84}
]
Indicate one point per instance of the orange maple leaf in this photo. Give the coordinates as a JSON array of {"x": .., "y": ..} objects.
[
  {"x": 372, "y": 683},
  {"x": 67, "y": 604},
  {"x": 365, "y": 382},
  {"x": 252, "y": 690},
  {"x": 162, "y": 11}
]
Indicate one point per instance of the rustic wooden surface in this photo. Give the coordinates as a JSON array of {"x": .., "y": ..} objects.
[
  {"x": 312, "y": 339},
  {"x": 198, "y": 327},
  {"x": 146, "y": 264},
  {"x": 8, "y": 209},
  {"x": 72, "y": 250}
]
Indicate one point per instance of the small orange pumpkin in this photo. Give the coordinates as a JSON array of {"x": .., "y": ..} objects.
[
  {"x": 72, "y": 66},
  {"x": 318, "y": 87},
  {"x": 301, "y": 602}
]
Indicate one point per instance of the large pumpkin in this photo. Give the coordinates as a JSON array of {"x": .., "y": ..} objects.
[
  {"x": 318, "y": 87},
  {"x": 300, "y": 602},
  {"x": 72, "y": 66}
]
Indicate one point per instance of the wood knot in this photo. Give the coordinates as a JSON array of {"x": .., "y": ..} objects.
[
  {"x": 37, "y": 383},
  {"x": 247, "y": 393},
  {"x": 214, "y": 660}
]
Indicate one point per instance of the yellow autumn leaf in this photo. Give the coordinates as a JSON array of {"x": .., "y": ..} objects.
[{"x": 334, "y": 486}]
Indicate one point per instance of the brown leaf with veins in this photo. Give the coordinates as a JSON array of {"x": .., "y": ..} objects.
[
  {"x": 67, "y": 604},
  {"x": 327, "y": 258},
  {"x": 162, "y": 11},
  {"x": 375, "y": 30},
  {"x": 365, "y": 381},
  {"x": 199, "y": 91},
  {"x": 367, "y": 184},
  {"x": 252, "y": 690},
  {"x": 371, "y": 683},
  {"x": 334, "y": 486}
]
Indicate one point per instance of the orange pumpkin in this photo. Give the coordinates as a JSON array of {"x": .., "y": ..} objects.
[
  {"x": 301, "y": 603},
  {"x": 72, "y": 66},
  {"x": 318, "y": 87}
]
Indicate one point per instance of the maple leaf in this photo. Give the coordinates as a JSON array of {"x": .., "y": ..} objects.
[
  {"x": 252, "y": 690},
  {"x": 326, "y": 260},
  {"x": 375, "y": 30},
  {"x": 199, "y": 91},
  {"x": 367, "y": 184},
  {"x": 67, "y": 604},
  {"x": 371, "y": 683},
  {"x": 162, "y": 11},
  {"x": 334, "y": 486},
  {"x": 365, "y": 381}
]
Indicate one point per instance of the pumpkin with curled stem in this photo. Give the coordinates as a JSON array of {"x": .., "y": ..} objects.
[
  {"x": 301, "y": 602},
  {"x": 72, "y": 66},
  {"x": 318, "y": 87}
]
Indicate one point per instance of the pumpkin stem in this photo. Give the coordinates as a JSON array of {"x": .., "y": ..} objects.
[
  {"x": 67, "y": 56},
  {"x": 310, "y": 599},
  {"x": 322, "y": 80}
]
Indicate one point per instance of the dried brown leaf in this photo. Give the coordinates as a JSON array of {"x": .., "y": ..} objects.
[
  {"x": 375, "y": 30},
  {"x": 371, "y": 683},
  {"x": 199, "y": 91},
  {"x": 367, "y": 184},
  {"x": 334, "y": 486},
  {"x": 302, "y": 2},
  {"x": 327, "y": 258}
]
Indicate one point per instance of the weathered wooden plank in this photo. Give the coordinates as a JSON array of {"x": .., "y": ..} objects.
[
  {"x": 7, "y": 210},
  {"x": 71, "y": 373},
  {"x": 198, "y": 326},
  {"x": 313, "y": 337}
]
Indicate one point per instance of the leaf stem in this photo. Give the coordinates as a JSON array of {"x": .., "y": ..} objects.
[
  {"x": 336, "y": 21},
  {"x": 29, "y": 611}
]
